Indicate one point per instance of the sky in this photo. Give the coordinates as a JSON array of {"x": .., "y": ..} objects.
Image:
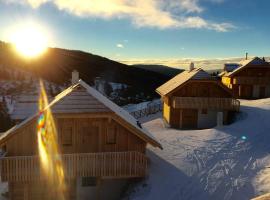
[{"x": 138, "y": 31}]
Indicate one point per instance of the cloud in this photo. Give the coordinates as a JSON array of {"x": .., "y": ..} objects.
[
  {"x": 120, "y": 45},
  {"x": 208, "y": 64},
  {"x": 142, "y": 13}
]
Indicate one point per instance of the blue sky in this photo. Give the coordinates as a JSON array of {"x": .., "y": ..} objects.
[{"x": 148, "y": 29}]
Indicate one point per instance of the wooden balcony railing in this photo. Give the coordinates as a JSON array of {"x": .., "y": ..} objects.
[
  {"x": 206, "y": 103},
  {"x": 108, "y": 164},
  {"x": 251, "y": 80}
]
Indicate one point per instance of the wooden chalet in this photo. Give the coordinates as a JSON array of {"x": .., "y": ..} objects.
[
  {"x": 193, "y": 99},
  {"x": 100, "y": 144},
  {"x": 25, "y": 106},
  {"x": 249, "y": 79}
]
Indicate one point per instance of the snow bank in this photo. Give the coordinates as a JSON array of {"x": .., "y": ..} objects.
[
  {"x": 227, "y": 163},
  {"x": 140, "y": 106}
]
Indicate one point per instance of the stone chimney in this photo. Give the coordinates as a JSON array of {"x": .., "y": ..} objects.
[
  {"x": 246, "y": 56},
  {"x": 191, "y": 66},
  {"x": 75, "y": 77}
]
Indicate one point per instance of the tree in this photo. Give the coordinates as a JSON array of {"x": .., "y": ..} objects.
[
  {"x": 5, "y": 120},
  {"x": 107, "y": 89}
]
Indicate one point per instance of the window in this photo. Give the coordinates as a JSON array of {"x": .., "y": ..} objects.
[
  {"x": 111, "y": 135},
  {"x": 4, "y": 149},
  {"x": 204, "y": 111},
  {"x": 89, "y": 181},
  {"x": 67, "y": 136}
]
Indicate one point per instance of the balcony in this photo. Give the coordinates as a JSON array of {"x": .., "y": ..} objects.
[
  {"x": 206, "y": 103},
  {"x": 252, "y": 80},
  {"x": 108, "y": 165}
]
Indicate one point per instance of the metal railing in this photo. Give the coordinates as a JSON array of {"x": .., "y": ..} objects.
[{"x": 149, "y": 110}]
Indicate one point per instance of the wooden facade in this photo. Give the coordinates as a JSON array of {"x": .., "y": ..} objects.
[
  {"x": 94, "y": 139},
  {"x": 195, "y": 102},
  {"x": 81, "y": 134},
  {"x": 251, "y": 80}
]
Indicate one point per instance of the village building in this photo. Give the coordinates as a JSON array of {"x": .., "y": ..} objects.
[
  {"x": 248, "y": 79},
  {"x": 193, "y": 99},
  {"x": 102, "y": 147},
  {"x": 24, "y": 106}
]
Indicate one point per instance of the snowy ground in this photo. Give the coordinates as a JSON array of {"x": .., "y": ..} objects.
[{"x": 232, "y": 162}]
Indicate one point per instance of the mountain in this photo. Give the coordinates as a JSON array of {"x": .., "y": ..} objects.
[
  {"x": 161, "y": 69},
  {"x": 57, "y": 64}
]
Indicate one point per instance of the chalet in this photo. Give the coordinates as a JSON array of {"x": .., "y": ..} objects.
[
  {"x": 194, "y": 99},
  {"x": 25, "y": 106},
  {"x": 102, "y": 147},
  {"x": 249, "y": 79}
]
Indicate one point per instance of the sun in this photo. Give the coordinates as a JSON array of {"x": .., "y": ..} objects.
[{"x": 30, "y": 41}]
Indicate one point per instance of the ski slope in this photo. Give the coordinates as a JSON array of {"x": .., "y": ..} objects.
[{"x": 231, "y": 162}]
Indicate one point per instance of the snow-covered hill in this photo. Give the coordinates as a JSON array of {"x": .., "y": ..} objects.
[{"x": 230, "y": 162}]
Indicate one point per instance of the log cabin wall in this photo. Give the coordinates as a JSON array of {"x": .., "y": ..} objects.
[
  {"x": 78, "y": 135},
  {"x": 166, "y": 112},
  {"x": 24, "y": 142},
  {"x": 255, "y": 71},
  {"x": 259, "y": 87},
  {"x": 189, "y": 118},
  {"x": 39, "y": 190},
  {"x": 201, "y": 89}
]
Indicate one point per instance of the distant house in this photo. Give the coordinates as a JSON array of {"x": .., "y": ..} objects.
[
  {"x": 25, "y": 106},
  {"x": 102, "y": 146},
  {"x": 193, "y": 99},
  {"x": 249, "y": 79}
]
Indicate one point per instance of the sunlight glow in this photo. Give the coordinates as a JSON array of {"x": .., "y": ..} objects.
[
  {"x": 49, "y": 154},
  {"x": 30, "y": 40}
]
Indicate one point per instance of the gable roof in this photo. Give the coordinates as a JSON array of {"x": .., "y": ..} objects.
[
  {"x": 175, "y": 82},
  {"x": 86, "y": 101},
  {"x": 25, "y": 106},
  {"x": 229, "y": 67},
  {"x": 245, "y": 63}
]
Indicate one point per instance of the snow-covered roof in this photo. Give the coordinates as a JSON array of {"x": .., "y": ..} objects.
[
  {"x": 25, "y": 106},
  {"x": 169, "y": 86},
  {"x": 229, "y": 67},
  {"x": 245, "y": 63},
  {"x": 86, "y": 100}
]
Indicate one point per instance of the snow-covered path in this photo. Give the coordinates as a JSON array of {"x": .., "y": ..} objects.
[{"x": 222, "y": 163}]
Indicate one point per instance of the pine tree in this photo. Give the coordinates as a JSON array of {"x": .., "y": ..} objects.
[
  {"x": 5, "y": 120},
  {"x": 107, "y": 89}
]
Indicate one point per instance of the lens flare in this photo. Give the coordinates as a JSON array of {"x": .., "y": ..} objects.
[
  {"x": 49, "y": 155},
  {"x": 244, "y": 137}
]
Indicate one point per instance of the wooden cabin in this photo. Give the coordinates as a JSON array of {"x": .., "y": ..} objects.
[
  {"x": 102, "y": 146},
  {"x": 249, "y": 79},
  {"x": 193, "y": 99},
  {"x": 25, "y": 106}
]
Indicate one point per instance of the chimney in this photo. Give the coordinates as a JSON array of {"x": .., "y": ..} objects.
[
  {"x": 191, "y": 66},
  {"x": 75, "y": 77},
  {"x": 246, "y": 56}
]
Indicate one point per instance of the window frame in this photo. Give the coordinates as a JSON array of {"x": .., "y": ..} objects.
[
  {"x": 67, "y": 140},
  {"x": 111, "y": 134},
  {"x": 204, "y": 111}
]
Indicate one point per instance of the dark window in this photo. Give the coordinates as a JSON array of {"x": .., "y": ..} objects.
[
  {"x": 67, "y": 136},
  {"x": 4, "y": 150},
  {"x": 204, "y": 111},
  {"x": 89, "y": 181},
  {"x": 111, "y": 135}
]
